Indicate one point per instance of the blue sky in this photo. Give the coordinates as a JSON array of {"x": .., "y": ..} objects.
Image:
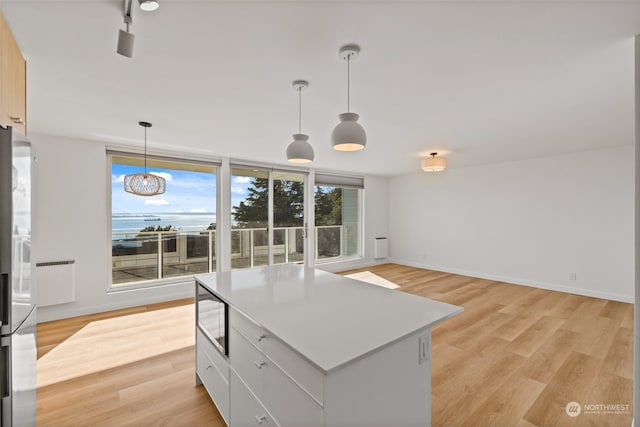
[{"x": 189, "y": 192}]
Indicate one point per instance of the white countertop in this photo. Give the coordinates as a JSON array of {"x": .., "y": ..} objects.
[{"x": 330, "y": 320}]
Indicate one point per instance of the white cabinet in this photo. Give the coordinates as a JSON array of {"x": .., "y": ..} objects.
[
  {"x": 247, "y": 411},
  {"x": 308, "y": 348},
  {"x": 212, "y": 370},
  {"x": 388, "y": 387},
  {"x": 281, "y": 394}
]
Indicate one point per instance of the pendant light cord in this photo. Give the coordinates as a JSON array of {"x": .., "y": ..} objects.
[
  {"x": 300, "y": 109},
  {"x": 348, "y": 80},
  {"x": 145, "y": 150}
]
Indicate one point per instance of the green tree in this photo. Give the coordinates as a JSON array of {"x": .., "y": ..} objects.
[
  {"x": 288, "y": 205},
  {"x": 328, "y": 202},
  {"x": 158, "y": 228},
  {"x": 252, "y": 211}
]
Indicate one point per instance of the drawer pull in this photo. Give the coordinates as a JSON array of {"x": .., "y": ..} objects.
[
  {"x": 209, "y": 367},
  {"x": 260, "y": 419},
  {"x": 259, "y": 365},
  {"x": 17, "y": 120},
  {"x": 260, "y": 337}
]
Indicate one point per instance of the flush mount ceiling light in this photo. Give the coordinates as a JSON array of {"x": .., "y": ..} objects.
[
  {"x": 300, "y": 151},
  {"x": 433, "y": 163},
  {"x": 348, "y": 135},
  {"x": 144, "y": 184},
  {"x": 149, "y": 5}
]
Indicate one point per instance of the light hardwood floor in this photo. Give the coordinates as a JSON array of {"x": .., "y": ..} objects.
[{"x": 515, "y": 357}]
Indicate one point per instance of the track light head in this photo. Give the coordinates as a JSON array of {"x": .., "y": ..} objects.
[{"x": 126, "y": 41}]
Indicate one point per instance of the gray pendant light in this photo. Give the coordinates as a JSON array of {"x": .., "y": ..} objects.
[
  {"x": 348, "y": 135},
  {"x": 144, "y": 184},
  {"x": 300, "y": 151}
]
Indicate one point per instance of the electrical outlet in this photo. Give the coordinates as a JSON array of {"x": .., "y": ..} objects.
[
  {"x": 572, "y": 276},
  {"x": 424, "y": 349}
]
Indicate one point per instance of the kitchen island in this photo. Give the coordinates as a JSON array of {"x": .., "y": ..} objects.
[{"x": 310, "y": 348}]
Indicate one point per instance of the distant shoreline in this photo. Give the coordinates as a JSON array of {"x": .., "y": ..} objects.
[{"x": 133, "y": 223}]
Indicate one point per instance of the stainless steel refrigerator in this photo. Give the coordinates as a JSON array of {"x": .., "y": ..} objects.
[{"x": 18, "y": 353}]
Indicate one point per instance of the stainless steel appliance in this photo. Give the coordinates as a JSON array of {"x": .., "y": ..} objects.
[
  {"x": 17, "y": 299},
  {"x": 213, "y": 318}
]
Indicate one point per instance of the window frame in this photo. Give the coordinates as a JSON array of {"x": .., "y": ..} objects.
[
  {"x": 332, "y": 179},
  {"x": 170, "y": 158},
  {"x": 223, "y": 171}
]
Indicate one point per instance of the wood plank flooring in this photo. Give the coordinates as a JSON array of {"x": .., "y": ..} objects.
[{"x": 515, "y": 357}]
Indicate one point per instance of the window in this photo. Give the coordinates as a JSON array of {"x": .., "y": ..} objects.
[
  {"x": 338, "y": 213},
  {"x": 249, "y": 217},
  {"x": 263, "y": 200},
  {"x": 171, "y": 235}
]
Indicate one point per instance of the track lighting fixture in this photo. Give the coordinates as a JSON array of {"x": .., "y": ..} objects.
[{"x": 126, "y": 39}]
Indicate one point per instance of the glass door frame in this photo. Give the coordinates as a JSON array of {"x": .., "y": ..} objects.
[{"x": 307, "y": 178}]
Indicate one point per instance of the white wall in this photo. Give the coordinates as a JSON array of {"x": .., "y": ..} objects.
[
  {"x": 71, "y": 221},
  {"x": 529, "y": 222}
]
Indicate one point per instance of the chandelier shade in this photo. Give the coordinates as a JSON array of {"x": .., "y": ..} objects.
[
  {"x": 300, "y": 151},
  {"x": 434, "y": 164},
  {"x": 348, "y": 135},
  {"x": 144, "y": 184}
]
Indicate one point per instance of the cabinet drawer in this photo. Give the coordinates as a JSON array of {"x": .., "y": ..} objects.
[
  {"x": 214, "y": 381},
  {"x": 248, "y": 362},
  {"x": 285, "y": 399},
  {"x": 251, "y": 331},
  {"x": 246, "y": 411},
  {"x": 214, "y": 355},
  {"x": 300, "y": 370},
  {"x": 287, "y": 402}
]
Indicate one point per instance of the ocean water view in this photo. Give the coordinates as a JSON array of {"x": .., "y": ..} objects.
[{"x": 129, "y": 222}]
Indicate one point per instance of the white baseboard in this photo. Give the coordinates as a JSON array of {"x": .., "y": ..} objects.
[
  {"x": 523, "y": 282},
  {"x": 134, "y": 299}
]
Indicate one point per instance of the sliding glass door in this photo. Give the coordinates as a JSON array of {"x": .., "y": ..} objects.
[
  {"x": 267, "y": 217},
  {"x": 288, "y": 217}
]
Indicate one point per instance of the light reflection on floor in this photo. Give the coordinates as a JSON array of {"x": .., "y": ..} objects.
[{"x": 110, "y": 343}]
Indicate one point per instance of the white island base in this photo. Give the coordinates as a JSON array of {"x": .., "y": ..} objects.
[{"x": 291, "y": 363}]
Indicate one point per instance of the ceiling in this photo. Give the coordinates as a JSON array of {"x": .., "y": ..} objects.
[{"x": 479, "y": 81}]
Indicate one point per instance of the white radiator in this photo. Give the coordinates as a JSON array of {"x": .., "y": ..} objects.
[
  {"x": 380, "y": 247},
  {"x": 55, "y": 282}
]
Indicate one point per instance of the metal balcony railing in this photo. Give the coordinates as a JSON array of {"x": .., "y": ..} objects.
[{"x": 153, "y": 255}]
